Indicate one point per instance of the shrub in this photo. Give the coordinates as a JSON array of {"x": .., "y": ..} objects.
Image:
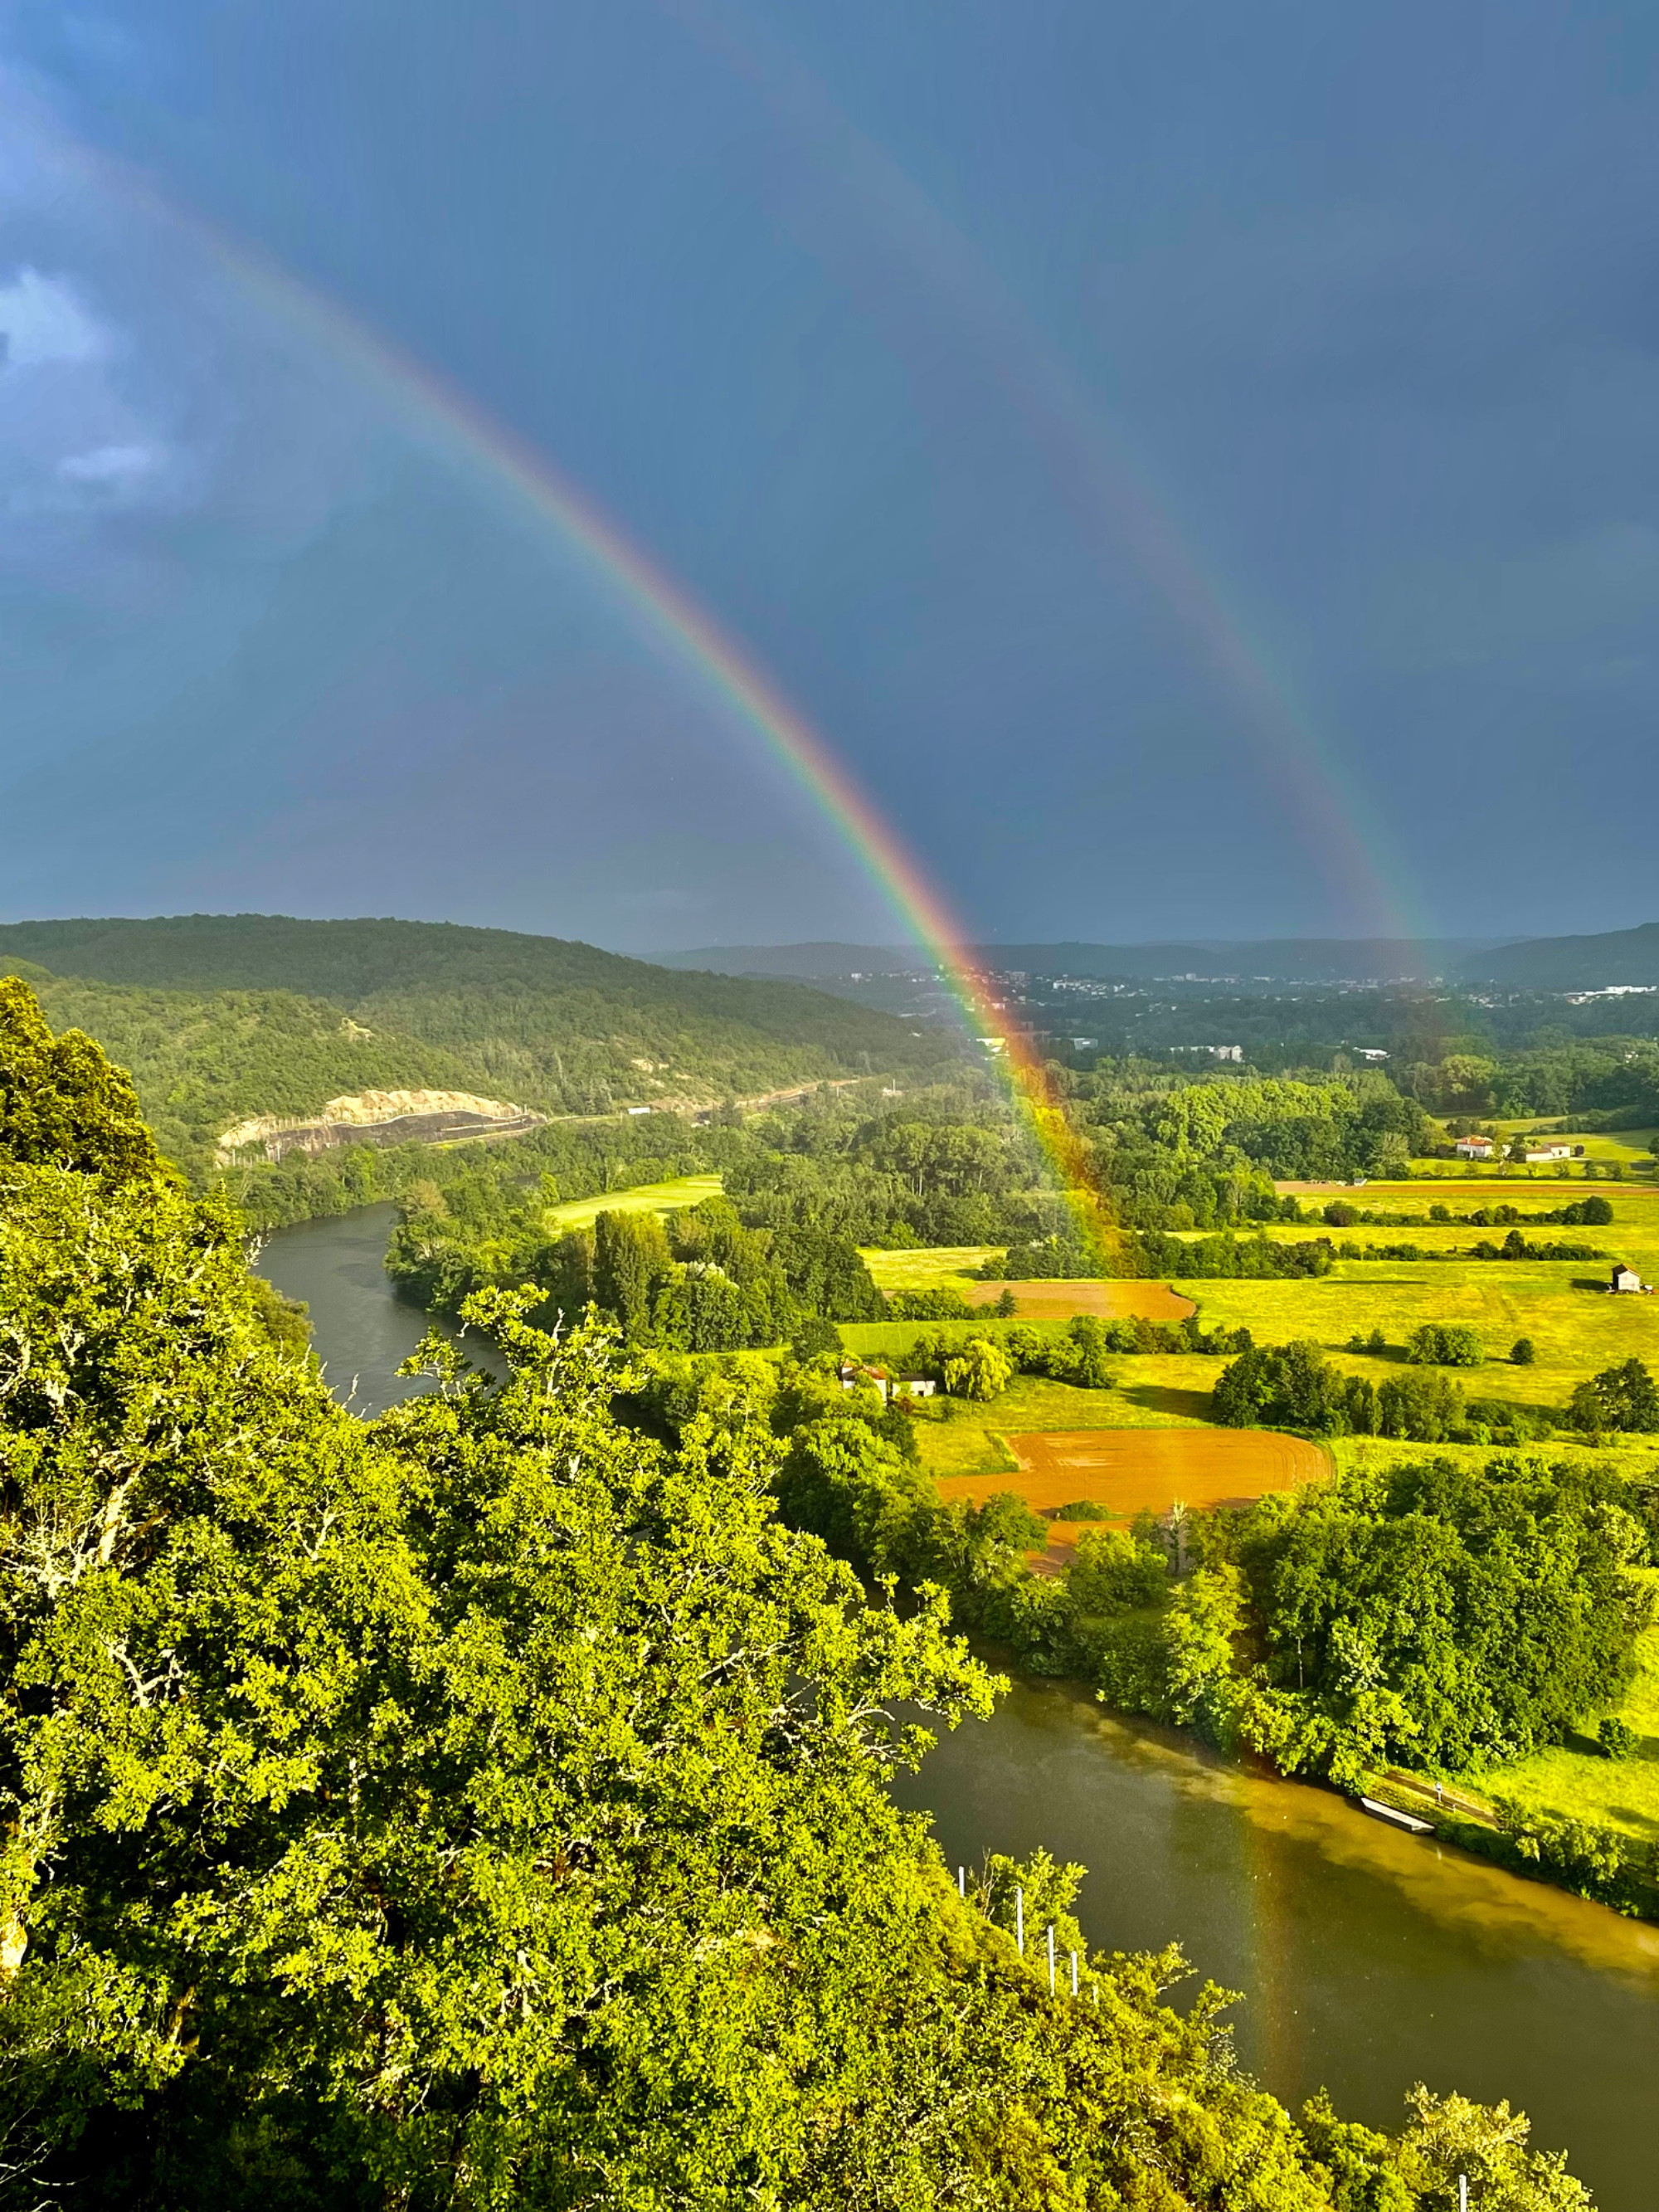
[
  {"x": 1440, "y": 1344},
  {"x": 1616, "y": 1738},
  {"x": 1523, "y": 1352},
  {"x": 939, "y": 1303}
]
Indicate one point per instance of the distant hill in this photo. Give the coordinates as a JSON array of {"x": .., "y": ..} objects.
[
  {"x": 223, "y": 1017},
  {"x": 807, "y": 963},
  {"x": 1287, "y": 959},
  {"x": 1571, "y": 963}
]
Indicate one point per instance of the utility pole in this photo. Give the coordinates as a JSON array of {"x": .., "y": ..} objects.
[
  {"x": 1463, "y": 2193},
  {"x": 1051, "y": 1959},
  {"x": 1074, "y": 1973},
  {"x": 962, "y": 1881},
  {"x": 1019, "y": 1920}
]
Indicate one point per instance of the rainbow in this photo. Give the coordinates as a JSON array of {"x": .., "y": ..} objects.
[
  {"x": 439, "y": 412},
  {"x": 1092, "y": 461}
]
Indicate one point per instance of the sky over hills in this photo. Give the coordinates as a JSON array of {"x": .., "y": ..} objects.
[{"x": 1197, "y": 473}]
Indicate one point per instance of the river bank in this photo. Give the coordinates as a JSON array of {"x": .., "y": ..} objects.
[{"x": 1367, "y": 1959}]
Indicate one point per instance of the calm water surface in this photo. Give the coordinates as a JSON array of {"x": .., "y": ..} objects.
[
  {"x": 1367, "y": 1961},
  {"x": 362, "y": 1331}
]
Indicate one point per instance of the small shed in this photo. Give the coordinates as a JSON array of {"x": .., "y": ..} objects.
[{"x": 1625, "y": 1279}]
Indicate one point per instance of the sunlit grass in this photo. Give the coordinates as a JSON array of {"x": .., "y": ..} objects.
[
  {"x": 648, "y": 1197},
  {"x": 1575, "y": 1780},
  {"x": 934, "y": 1267}
]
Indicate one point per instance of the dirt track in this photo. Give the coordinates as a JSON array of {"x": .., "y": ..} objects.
[{"x": 1057, "y": 1301}]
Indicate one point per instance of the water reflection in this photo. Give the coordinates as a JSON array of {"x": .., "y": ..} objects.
[{"x": 1367, "y": 1960}]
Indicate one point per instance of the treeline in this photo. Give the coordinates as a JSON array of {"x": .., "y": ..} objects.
[
  {"x": 1342, "y": 1213},
  {"x": 701, "y": 1282},
  {"x": 1294, "y": 1386},
  {"x": 803, "y": 1190}
]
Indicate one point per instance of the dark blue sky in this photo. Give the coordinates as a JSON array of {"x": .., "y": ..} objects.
[{"x": 1199, "y": 467}]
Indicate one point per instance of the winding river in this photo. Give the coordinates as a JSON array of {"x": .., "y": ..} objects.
[{"x": 1367, "y": 1961}]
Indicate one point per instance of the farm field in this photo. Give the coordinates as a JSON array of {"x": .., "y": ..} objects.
[
  {"x": 1058, "y": 1301},
  {"x": 934, "y": 1267},
  {"x": 1148, "y": 1393},
  {"x": 1133, "y": 1469},
  {"x": 1576, "y": 1329},
  {"x": 648, "y": 1197}
]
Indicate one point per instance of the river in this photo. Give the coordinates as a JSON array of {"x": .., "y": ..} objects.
[{"x": 1367, "y": 1959}]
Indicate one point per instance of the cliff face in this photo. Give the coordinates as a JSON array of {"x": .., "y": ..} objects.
[{"x": 378, "y": 1118}]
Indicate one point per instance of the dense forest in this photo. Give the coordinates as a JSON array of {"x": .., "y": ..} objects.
[{"x": 486, "y": 1805}]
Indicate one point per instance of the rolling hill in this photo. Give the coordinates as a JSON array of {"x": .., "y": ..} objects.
[
  {"x": 1629, "y": 957},
  {"x": 222, "y": 1018},
  {"x": 1285, "y": 959}
]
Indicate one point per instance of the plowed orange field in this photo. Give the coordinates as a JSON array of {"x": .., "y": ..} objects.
[
  {"x": 1112, "y": 1301},
  {"x": 1127, "y": 1469}
]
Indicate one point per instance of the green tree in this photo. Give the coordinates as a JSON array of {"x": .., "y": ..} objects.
[
  {"x": 1622, "y": 1400},
  {"x": 1443, "y": 1344},
  {"x": 631, "y": 1261},
  {"x": 61, "y": 1102},
  {"x": 980, "y": 1369}
]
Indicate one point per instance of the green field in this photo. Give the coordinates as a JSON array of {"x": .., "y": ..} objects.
[
  {"x": 648, "y": 1197},
  {"x": 933, "y": 1267},
  {"x": 1574, "y": 1780}
]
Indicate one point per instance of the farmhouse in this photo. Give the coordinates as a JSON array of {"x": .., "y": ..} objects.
[
  {"x": 854, "y": 1373},
  {"x": 1554, "y": 1148},
  {"x": 1475, "y": 1148},
  {"x": 1625, "y": 1279}
]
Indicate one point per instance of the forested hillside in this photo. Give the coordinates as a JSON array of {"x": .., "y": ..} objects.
[
  {"x": 221, "y": 1017},
  {"x": 1628, "y": 956}
]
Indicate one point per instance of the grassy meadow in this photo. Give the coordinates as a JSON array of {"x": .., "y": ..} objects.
[
  {"x": 648, "y": 1197},
  {"x": 1574, "y": 1780},
  {"x": 941, "y": 1267}
]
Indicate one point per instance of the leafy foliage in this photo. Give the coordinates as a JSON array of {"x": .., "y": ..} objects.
[
  {"x": 60, "y": 1100},
  {"x": 1623, "y": 1399},
  {"x": 1445, "y": 1344},
  {"x": 223, "y": 1017}
]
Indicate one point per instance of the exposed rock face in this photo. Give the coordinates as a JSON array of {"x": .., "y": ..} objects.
[{"x": 379, "y": 1117}]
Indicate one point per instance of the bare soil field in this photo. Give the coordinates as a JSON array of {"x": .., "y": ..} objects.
[
  {"x": 1058, "y": 1300},
  {"x": 1129, "y": 1470}
]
